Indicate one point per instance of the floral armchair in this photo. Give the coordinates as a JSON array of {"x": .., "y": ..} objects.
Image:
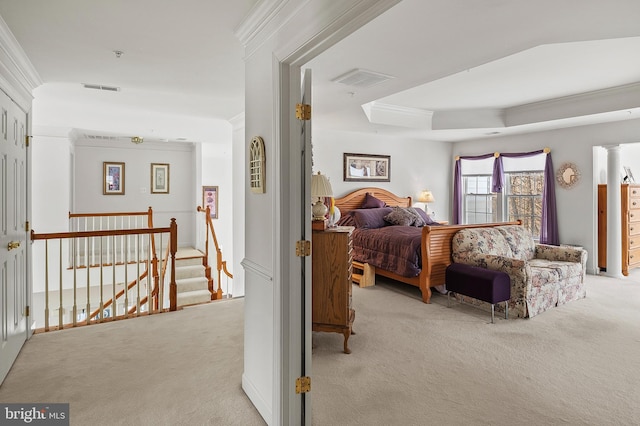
[{"x": 542, "y": 276}]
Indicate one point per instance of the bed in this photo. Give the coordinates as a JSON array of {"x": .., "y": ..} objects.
[{"x": 432, "y": 243}]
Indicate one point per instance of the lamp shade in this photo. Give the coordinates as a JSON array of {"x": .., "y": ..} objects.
[
  {"x": 426, "y": 197},
  {"x": 320, "y": 186}
]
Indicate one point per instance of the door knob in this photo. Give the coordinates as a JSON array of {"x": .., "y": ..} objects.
[{"x": 13, "y": 245}]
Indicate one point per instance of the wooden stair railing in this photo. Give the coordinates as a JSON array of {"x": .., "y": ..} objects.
[
  {"x": 85, "y": 253},
  {"x": 109, "y": 235},
  {"x": 221, "y": 265}
]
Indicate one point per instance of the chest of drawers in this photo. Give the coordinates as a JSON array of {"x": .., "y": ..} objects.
[
  {"x": 331, "y": 282},
  {"x": 630, "y": 221}
]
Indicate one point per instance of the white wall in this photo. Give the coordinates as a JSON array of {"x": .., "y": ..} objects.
[
  {"x": 576, "y": 207},
  {"x": 415, "y": 165},
  {"x": 217, "y": 171},
  {"x": 630, "y": 155},
  {"x": 238, "y": 181},
  {"x": 179, "y": 203},
  {"x": 259, "y": 262}
]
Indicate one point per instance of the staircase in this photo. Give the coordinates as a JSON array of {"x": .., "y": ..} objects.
[{"x": 191, "y": 281}]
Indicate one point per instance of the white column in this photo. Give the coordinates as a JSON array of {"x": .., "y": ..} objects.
[{"x": 614, "y": 218}]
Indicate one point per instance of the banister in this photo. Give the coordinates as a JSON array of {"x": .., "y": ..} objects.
[
  {"x": 221, "y": 265},
  {"x": 103, "y": 233},
  {"x": 72, "y": 215},
  {"x": 120, "y": 294},
  {"x": 153, "y": 292}
]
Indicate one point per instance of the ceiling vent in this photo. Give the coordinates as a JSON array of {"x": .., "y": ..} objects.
[
  {"x": 102, "y": 137},
  {"x": 101, "y": 87},
  {"x": 361, "y": 78}
]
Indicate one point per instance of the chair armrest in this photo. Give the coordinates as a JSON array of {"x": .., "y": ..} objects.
[
  {"x": 518, "y": 270},
  {"x": 564, "y": 254}
]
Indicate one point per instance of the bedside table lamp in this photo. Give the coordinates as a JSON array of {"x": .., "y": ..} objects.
[
  {"x": 320, "y": 188},
  {"x": 426, "y": 197}
]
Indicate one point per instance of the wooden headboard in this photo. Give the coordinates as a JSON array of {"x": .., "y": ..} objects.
[{"x": 354, "y": 200}]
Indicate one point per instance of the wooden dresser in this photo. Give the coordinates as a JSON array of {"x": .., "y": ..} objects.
[
  {"x": 630, "y": 209},
  {"x": 331, "y": 282}
]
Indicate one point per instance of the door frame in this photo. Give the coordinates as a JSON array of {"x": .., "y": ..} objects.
[{"x": 290, "y": 204}]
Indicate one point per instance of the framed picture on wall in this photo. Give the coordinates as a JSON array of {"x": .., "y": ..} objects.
[
  {"x": 112, "y": 178},
  {"x": 210, "y": 199},
  {"x": 159, "y": 178},
  {"x": 367, "y": 167}
]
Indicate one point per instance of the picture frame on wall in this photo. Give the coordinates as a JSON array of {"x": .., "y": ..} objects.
[
  {"x": 210, "y": 199},
  {"x": 112, "y": 178},
  {"x": 159, "y": 178},
  {"x": 628, "y": 175},
  {"x": 366, "y": 168}
]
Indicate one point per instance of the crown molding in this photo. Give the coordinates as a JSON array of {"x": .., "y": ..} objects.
[
  {"x": 396, "y": 115},
  {"x": 299, "y": 21},
  {"x": 619, "y": 98},
  {"x": 257, "y": 19},
  {"x": 237, "y": 121},
  {"x": 18, "y": 77}
]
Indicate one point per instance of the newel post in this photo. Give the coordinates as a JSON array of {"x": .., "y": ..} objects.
[{"x": 173, "y": 288}]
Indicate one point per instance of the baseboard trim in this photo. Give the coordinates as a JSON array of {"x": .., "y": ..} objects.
[{"x": 256, "y": 399}]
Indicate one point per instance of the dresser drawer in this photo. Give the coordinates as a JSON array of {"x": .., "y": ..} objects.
[{"x": 634, "y": 257}]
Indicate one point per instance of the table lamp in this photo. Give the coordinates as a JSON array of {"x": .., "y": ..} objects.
[
  {"x": 426, "y": 197},
  {"x": 320, "y": 188}
]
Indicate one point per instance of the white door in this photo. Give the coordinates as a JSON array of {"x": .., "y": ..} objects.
[
  {"x": 306, "y": 211},
  {"x": 13, "y": 235}
]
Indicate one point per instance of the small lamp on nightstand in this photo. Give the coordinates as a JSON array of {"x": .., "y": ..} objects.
[
  {"x": 320, "y": 188},
  {"x": 426, "y": 197}
]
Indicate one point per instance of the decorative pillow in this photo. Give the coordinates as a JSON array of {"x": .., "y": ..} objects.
[
  {"x": 426, "y": 218},
  {"x": 371, "y": 202},
  {"x": 370, "y": 218},
  {"x": 417, "y": 219},
  {"x": 400, "y": 216},
  {"x": 346, "y": 220}
]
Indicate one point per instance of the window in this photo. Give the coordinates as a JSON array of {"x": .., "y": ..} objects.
[
  {"x": 480, "y": 204},
  {"x": 523, "y": 192},
  {"x": 521, "y": 198}
]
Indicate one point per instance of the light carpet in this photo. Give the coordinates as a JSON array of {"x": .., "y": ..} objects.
[
  {"x": 417, "y": 364},
  {"x": 178, "y": 368},
  {"x": 412, "y": 364}
]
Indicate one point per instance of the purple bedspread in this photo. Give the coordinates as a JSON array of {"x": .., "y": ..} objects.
[{"x": 393, "y": 248}]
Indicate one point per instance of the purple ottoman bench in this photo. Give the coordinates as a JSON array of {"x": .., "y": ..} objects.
[{"x": 482, "y": 284}]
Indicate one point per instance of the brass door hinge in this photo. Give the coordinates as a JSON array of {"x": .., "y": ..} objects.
[
  {"x": 26, "y": 311},
  {"x": 303, "y": 248},
  {"x": 303, "y": 384},
  {"x": 26, "y": 226},
  {"x": 303, "y": 111},
  {"x": 26, "y": 140}
]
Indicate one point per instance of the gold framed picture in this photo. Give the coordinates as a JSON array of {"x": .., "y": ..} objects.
[
  {"x": 159, "y": 178},
  {"x": 112, "y": 178}
]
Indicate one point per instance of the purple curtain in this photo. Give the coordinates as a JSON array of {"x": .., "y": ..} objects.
[
  {"x": 549, "y": 226},
  {"x": 549, "y": 223},
  {"x": 498, "y": 175},
  {"x": 457, "y": 193}
]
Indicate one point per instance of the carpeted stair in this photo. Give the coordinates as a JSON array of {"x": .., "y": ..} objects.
[{"x": 192, "y": 284}]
